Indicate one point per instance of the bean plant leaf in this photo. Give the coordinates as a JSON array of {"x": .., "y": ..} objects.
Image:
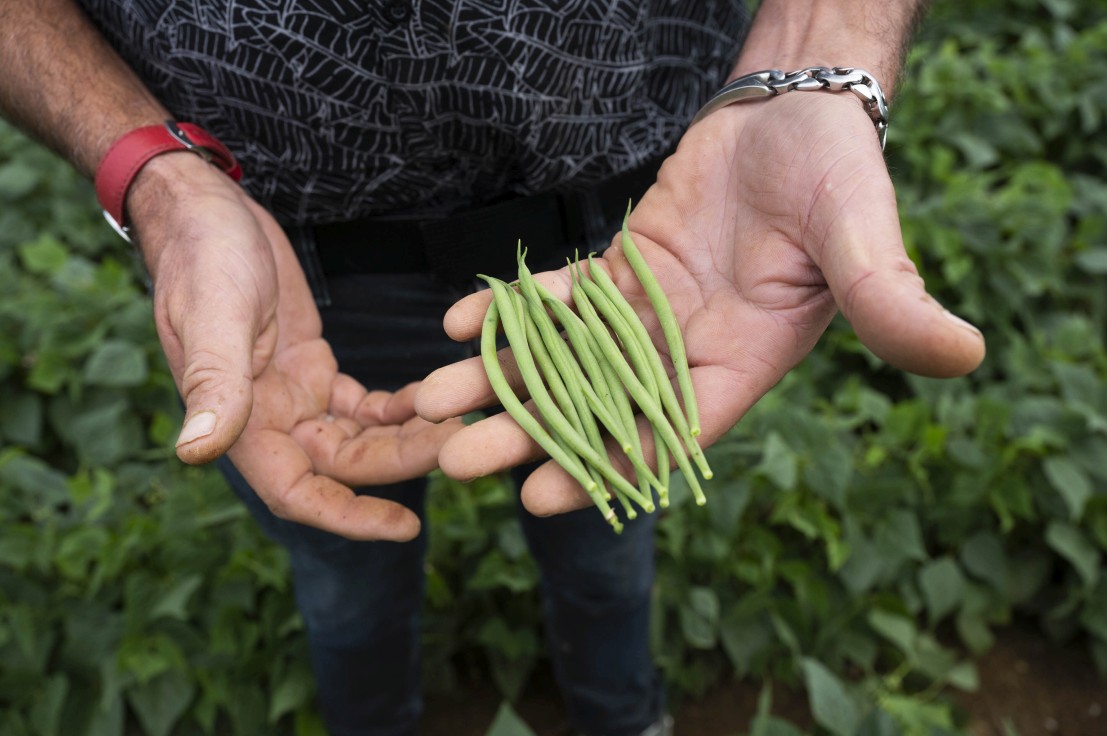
[
  {"x": 43, "y": 484},
  {"x": 1093, "y": 260},
  {"x": 174, "y": 604},
  {"x": 763, "y": 722},
  {"x": 829, "y": 471},
  {"x": 743, "y": 640},
  {"x": 831, "y": 705},
  {"x": 899, "y": 630},
  {"x": 699, "y": 618},
  {"x": 779, "y": 463},
  {"x": 44, "y": 255},
  {"x": 924, "y": 717},
  {"x": 21, "y": 416},
  {"x": 17, "y": 178},
  {"x": 943, "y": 586},
  {"x": 767, "y": 725},
  {"x": 116, "y": 363},
  {"x": 104, "y": 435},
  {"x": 46, "y": 714},
  {"x": 1069, "y": 542},
  {"x": 293, "y": 690},
  {"x": 1069, "y": 480},
  {"x": 974, "y": 632},
  {"x": 50, "y": 370},
  {"x": 107, "y": 720},
  {"x": 902, "y": 531},
  {"x": 19, "y": 545},
  {"x": 508, "y": 723},
  {"x": 159, "y": 703},
  {"x": 1094, "y": 616},
  {"x": 92, "y": 635},
  {"x": 984, "y": 557},
  {"x": 511, "y": 540},
  {"x": 81, "y": 550},
  {"x": 1080, "y": 385},
  {"x": 879, "y": 723},
  {"x": 496, "y": 571}
]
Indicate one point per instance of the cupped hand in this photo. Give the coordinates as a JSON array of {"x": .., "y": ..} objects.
[
  {"x": 768, "y": 218},
  {"x": 243, "y": 340}
]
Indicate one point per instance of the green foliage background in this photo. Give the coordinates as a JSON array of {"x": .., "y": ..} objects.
[{"x": 867, "y": 535}]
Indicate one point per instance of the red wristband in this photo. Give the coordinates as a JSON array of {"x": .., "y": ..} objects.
[{"x": 130, "y": 152}]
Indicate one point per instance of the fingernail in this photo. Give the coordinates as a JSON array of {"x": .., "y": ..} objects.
[
  {"x": 198, "y": 425},
  {"x": 961, "y": 323}
]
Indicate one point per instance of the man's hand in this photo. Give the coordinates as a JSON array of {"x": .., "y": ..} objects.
[
  {"x": 244, "y": 342},
  {"x": 769, "y": 217}
]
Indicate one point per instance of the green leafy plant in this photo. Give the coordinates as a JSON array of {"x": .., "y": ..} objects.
[{"x": 868, "y": 535}]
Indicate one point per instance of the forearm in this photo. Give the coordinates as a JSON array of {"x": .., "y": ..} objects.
[
  {"x": 794, "y": 34},
  {"x": 63, "y": 83}
]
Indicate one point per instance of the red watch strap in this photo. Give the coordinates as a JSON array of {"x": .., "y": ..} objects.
[{"x": 130, "y": 152}]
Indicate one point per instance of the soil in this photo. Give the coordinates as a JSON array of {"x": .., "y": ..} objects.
[{"x": 1029, "y": 686}]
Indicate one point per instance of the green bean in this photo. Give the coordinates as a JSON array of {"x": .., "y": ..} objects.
[
  {"x": 530, "y": 425},
  {"x": 669, "y": 325},
  {"x": 620, "y": 485},
  {"x": 600, "y": 301},
  {"x": 596, "y": 390},
  {"x": 565, "y": 366},
  {"x": 549, "y": 372},
  {"x": 642, "y": 335},
  {"x": 614, "y": 308},
  {"x": 623, "y": 405},
  {"x": 516, "y": 336},
  {"x": 641, "y": 396},
  {"x": 581, "y": 421},
  {"x": 588, "y": 351},
  {"x": 668, "y": 396}
]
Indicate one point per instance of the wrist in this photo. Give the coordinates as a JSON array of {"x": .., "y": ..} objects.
[
  {"x": 133, "y": 151},
  {"x": 867, "y": 34},
  {"x": 771, "y": 83},
  {"x": 164, "y": 189}
]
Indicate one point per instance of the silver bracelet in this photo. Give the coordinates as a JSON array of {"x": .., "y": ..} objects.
[{"x": 774, "y": 82}]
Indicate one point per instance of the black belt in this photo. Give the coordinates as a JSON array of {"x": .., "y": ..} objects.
[{"x": 457, "y": 247}]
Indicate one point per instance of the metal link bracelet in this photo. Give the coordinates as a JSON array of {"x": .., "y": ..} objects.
[{"x": 815, "y": 78}]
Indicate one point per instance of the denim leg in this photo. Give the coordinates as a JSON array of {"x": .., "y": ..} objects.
[
  {"x": 361, "y": 601},
  {"x": 596, "y": 588},
  {"x": 596, "y": 598}
]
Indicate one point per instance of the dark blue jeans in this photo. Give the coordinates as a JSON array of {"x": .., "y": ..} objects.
[{"x": 361, "y": 600}]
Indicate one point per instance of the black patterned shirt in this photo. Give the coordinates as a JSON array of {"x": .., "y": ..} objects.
[{"x": 340, "y": 109}]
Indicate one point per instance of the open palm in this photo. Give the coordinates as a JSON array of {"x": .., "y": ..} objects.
[
  {"x": 768, "y": 219},
  {"x": 244, "y": 341}
]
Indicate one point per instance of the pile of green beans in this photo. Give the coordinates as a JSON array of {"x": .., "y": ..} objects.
[{"x": 588, "y": 373}]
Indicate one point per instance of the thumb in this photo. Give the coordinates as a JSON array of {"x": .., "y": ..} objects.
[
  {"x": 879, "y": 290},
  {"x": 216, "y": 373}
]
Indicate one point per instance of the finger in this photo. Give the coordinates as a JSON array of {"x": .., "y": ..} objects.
[
  {"x": 281, "y": 474},
  {"x": 371, "y": 408},
  {"x": 384, "y": 407},
  {"x": 464, "y": 319},
  {"x": 218, "y": 359},
  {"x": 549, "y": 490},
  {"x": 878, "y": 288},
  {"x": 375, "y": 455},
  {"x": 489, "y": 446},
  {"x": 462, "y": 387},
  {"x": 498, "y": 443}
]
